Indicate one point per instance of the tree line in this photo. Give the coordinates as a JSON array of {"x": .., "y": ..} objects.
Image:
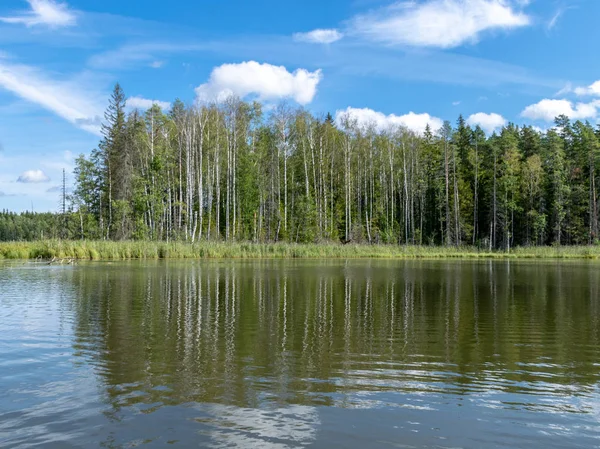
[{"x": 235, "y": 171}]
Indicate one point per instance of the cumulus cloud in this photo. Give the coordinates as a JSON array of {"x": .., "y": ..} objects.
[
  {"x": 33, "y": 177},
  {"x": 547, "y": 110},
  {"x": 144, "y": 103},
  {"x": 319, "y": 36},
  {"x": 157, "y": 64},
  {"x": 265, "y": 81},
  {"x": 368, "y": 117},
  {"x": 488, "y": 122},
  {"x": 438, "y": 23},
  {"x": 49, "y": 13},
  {"x": 591, "y": 90},
  {"x": 68, "y": 99}
]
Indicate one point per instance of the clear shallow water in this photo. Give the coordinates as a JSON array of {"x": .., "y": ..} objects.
[{"x": 300, "y": 353}]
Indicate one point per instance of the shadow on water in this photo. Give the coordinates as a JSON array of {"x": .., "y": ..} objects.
[{"x": 292, "y": 353}]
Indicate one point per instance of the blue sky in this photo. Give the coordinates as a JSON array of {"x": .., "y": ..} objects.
[{"x": 406, "y": 62}]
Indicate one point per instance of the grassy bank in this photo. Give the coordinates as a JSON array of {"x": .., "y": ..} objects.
[{"x": 103, "y": 250}]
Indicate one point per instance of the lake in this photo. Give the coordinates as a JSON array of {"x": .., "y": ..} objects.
[{"x": 287, "y": 354}]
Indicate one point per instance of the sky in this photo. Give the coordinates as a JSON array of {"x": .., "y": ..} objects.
[{"x": 411, "y": 63}]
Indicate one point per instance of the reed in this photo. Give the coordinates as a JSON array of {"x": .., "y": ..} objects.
[{"x": 127, "y": 250}]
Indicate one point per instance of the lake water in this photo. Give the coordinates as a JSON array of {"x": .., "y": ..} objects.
[{"x": 286, "y": 354}]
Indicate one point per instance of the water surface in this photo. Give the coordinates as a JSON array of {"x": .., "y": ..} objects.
[{"x": 286, "y": 354}]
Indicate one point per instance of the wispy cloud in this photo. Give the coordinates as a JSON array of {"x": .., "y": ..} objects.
[
  {"x": 438, "y": 23},
  {"x": 365, "y": 117},
  {"x": 488, "y": 122},
  {"x": 265, "y": 81},
  {"x": 33, "y": 177},
  {"x": 67, "y": 98},
  {"x": 144, "y": 103},
  {"x": 447, "y": 68},
  {"x": 348, "y": 58},
  {"x": 57, "y": 189},
  {"x": 554, "y": 20},
  {"x": 145, "y": 54},
  {"x": 319, "y": 36},
  {"x": 351, "y": 58},
  {"x": 123, "y": 57},
  {"x": 57, "y": 165},
  {"x": 567, "y": 89},
  {"x": 557, "y": 16},
  {"x": 47, "y": 13}
]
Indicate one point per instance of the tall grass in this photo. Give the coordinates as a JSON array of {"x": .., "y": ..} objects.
[{"x": 107, "y": 250}]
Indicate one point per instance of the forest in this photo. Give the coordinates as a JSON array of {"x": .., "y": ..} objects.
[{"x": 242, "y": 171}]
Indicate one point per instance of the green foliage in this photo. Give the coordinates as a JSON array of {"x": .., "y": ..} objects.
[
  {"x": 128, "y": 250},
  {"x": 233, "y": 172}
]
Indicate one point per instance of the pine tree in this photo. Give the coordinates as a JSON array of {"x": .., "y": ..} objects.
[{"x": 114, "y": 155}]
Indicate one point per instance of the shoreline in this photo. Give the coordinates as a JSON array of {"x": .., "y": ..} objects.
[{"x": 148, "y": 250}]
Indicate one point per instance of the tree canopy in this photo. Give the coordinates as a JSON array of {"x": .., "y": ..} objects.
[{"x": 231, "y": 171}]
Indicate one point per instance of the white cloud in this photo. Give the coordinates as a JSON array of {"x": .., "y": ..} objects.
[
  {"x": 488, "y": 122},
  {"x": 438, "y": 23},
  {"x": 554, "y": 20},
  {"x": 50, "y": 13},
  {"x": 148, "y": 54},
  {"x": 541, "y": 130},
  {"x": 367, "y": 117},
  {"x": 455, "y": 103},
  {"x": 266, "y": 81},
  {"x": 319, "y": 36},
  {"x": 51, "y": 160},
  {"x": 557, "y": 15},
  {"x": 592, "y": 90},
  {"x": 33, "y": 177},
  {"x": 567, "y": 89},
  {"x": 547, "y": 110},
  {"x": 67, "y": 99},
  {"x": 144, "y": 103}
]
